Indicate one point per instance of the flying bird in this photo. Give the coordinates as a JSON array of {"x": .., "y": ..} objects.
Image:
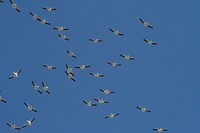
[
  {"x": 36, "y": 87},
  {"x": 160, "y": 129},
  {"x": 64, "y": 37},
  {"x": 101, "y": 101},
  {"x": 82, "y": 66},
  {"x": 150, "y": 42},
  {"x": 30, "y": 107},
  {"x": 49, "y": 8},
  {"x": 70, "y": 53},
  {"x": 15, "y": 74},
  {"x": 60, "y": 28},
  {"x": 127, "y": 57},
  {"x": 46, "y": 88},
  {"x": 111, "y": 115},
  {"x": 35, "y": 16},
  {"x": 97, "y": 74},
  {"x": 14, "y": 5},
  {"x": 28, "y": 122},
  {"x": 95, "y": 40},
  {"x": 69, "y": 70},
  {"x": 43, "y": 21},
  {"x": 70, "y": 75},
  {"x": 49, "y": 66},
  {"x": 13, "y": 126},
  {"x": 2, "y": 99},
  {"x": 116, "y": 32},
  {"x": 113, "y": 63},
  {"x": 143, "y": 109},
  {"x": 145, "y": 23},
  {"x": 106, "y": 91},
  {"x": 89, "y": 103}
]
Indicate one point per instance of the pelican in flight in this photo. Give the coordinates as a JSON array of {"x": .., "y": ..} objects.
[
  {"x": 106, "y": 91},
  {"x": 49, "y": 8},
  {"x": 95, "y": 40},
  {"x": 143, "y": 109},
  {"x": 29, "y": 107},
  {"x": 113, "y": 63},
  {"x": 82, "y": 66},
  {"x": 35, "y": 16},
  {"x": 64, "y": 37},
  {"x": 70, "y": 75},
  {"x": 127, "y": 57},
  {"x": 15, "y": 74},
  {"x": 36, "y": 87},
  {"x": 89, "y": 103},
  {"x": 101, "y": 101},
  {"x": 97, "y": 74},
  {"x": 49, "y": 66},
  {"x": 145, "y": 23},
  {"x": 70, "y": 53},
  {"x": 13, "y": 126},
  {"x": 111, "y": 115},
  {"x": 150, "y": 42},
  {"x": 116, "y": 32},
  {"x": 28, "y": 122},
  {"x": 43, "y": 21},
  {"x": 14, "y": 5},
  {"x": 160, "y": 129},
  {"x": 46, "y": 88},
  {"x": 60, "y": 28}
]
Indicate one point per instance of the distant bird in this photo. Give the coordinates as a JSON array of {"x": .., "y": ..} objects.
[
  {"x": 106, "y": 91},
  {"x": 13, "y": 126},
  {"x": 113, "y": 63},
  {"x": 15, "y": 74},
  {"x": 46, "y": 88},
  {"x": 14, "y": 5},
  {"x": 35, "y": 16},
  {"x": 82, "y": 66},
  {"x": 71, "y": 76},
  {"x": 111, "y": 115},
  {"x": 70, "y": 53},
  {"x": 89, "y": 103},
  {"x": 28, "y": 122},
  {"x": 150, "y": 42},
  {"x": 30, "y": 107},
  {"x": 95, "y": 40},
  {"x": 143, "y": 109},
  {"x": 49, "y": 66},
  {"x": 127, "y": 57},
  {"x": 160, "y": 129},
  {"x": 49, "y": 8},
  {"x": 1, "y": 1},
  {"x": 97, "y": 74},
  {"x": 116, "y": 32},
  {"x": 60, "y": 28},
  {"x": 64, "y": 37},
  {"x": 69, "y": 70},
  {"x": 2, "y": 99},
  {"x": 43, "y": 21},
  {"x": 145, "y": 23},
  {"x": 36, "y": 87},
  {"x": 101, "y": 100}
]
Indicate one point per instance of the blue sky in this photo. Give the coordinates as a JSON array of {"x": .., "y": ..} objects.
[{"x": 164, "y": 78}]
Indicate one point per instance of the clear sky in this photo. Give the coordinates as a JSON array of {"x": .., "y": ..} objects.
[{"x": 164, "y": 77}]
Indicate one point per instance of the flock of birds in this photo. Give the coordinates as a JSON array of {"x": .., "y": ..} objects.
[{"x": 69, "y": 72}]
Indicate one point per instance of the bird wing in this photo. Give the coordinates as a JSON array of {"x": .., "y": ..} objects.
[
  {"x": 142, "y": 20},
  {"x": 33, "y": 83}
]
